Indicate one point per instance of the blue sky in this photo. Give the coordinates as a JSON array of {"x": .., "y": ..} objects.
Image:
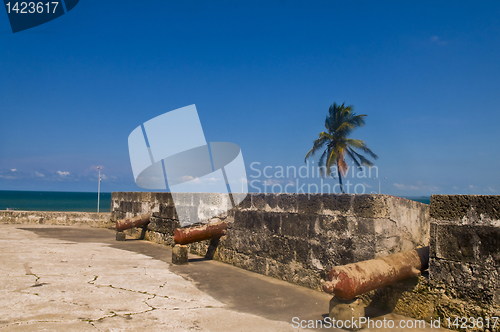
[{"x": 262, "y": 75}]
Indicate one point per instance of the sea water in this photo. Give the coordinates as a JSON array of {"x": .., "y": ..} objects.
[{"x": 54, "y": 201}]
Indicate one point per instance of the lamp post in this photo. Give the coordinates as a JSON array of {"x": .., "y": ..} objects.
[
  {"x": 98, "y": 187},
  {"x": 379, "y": 183}
]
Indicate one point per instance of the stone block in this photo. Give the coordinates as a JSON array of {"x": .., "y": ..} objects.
[
  {"x": 309, "y": 203},
  {"x": 336, "y": 202},
  {"x": 180, "y": 255},
  {"x": 466, "y": 243},
  {"x": 348, "y": 310},
  {"x": 272, "y": 222},
  {"x": 249, "y": 243},
  {"x": 249, "y": 220},
  {"x": 166, "y": 212},
  {"x": 293, "y": 224},
  {"x": 258, "y": 201},
  {"x": 246, "y": 203},
  {"x": 487, "y": 205},
  {"x": 336, "y": 224},
  {"x": 271, "y": 201},
  {"x": 116, "y": 195},
  {"x": 136, "y": 207},
  {"x": 162, "y": 198},
  {"x": 370, "y": 206},
  {"x": 488, "y": 245},
  {"x": 145, "y": 196},
  {"x": 454, "y": 242},
  {"x": 287, "y": 202},
  {"x": 280, "y": 249},
  {"x": 164, "y": 226},
  {"x": 449, "y": 207},
  {"x": 466, "y": 281},
  {"x": 339, "y": 252},
  {"x": 120, "y": 236}
]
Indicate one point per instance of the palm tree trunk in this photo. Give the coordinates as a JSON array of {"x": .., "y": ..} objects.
[{"x": 340, "y": 180}]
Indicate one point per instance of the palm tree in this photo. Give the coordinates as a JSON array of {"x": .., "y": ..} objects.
[{"x": 340, "y": 122}]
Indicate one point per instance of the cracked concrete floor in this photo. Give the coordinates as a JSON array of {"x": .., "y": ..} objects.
[
  {"x": 54, "y": 285},
  {"x": 61, "y": 278}
]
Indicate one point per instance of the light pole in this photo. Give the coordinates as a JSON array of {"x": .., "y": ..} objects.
[
  {"x": 98, "y": 187},
  {"x": 379, "y": 183}
]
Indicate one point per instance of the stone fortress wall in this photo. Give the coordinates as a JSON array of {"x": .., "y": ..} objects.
[{"x": 298, "y": 238}]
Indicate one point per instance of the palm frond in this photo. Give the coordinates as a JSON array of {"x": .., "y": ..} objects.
[
  {"x": 353, "y": 157},
  {"x": 317, "y": 145},
  {"x": 370, "y": 152},
  {"x": 331, "y": 160},
  {"x": 321, "y": 163},
  {"x": 355, "y": 143},
  {"x": 362, "y": 159}
]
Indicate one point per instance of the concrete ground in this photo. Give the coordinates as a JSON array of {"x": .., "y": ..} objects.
[{"x": 61, "y": 278}]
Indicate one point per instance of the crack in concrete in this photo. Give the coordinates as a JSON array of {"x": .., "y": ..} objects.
[
  {"x": 146, "y": 302},
  {"x": 93, "y": 280},
  {"x": 151, "y": 296},
  {"x": 92, "y": 324},
  {"x": 27, "y": 268}
]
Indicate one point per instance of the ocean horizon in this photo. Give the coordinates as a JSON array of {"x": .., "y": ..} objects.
[
  {"x": 54, "y": 201},
  {"x": 77, "y": 201}
]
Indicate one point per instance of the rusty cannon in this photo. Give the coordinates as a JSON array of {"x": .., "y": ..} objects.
[
  {"x": 183, "y": 236},
  {"x": 348, "y": 281},
  {"x": 193, "y": 234},
  {"x": 127, "y": 223}
]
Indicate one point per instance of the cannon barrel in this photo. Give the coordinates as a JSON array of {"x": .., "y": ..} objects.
[
  {"x": 137, "y": 221},
  {"x": 349, "y": 281},
  {"x": 199, "y": 233}
]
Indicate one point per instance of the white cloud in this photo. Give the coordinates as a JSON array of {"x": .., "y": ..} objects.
[
  {"x": 491, "y": 189},
  {"x": 13, "y": 170},
  {"x": 272, "y": 182},
  {"x": 186, "y": 178},
  {"x": 197, "y": 180},
  {"x": 39, "y": 174},
  {"x": 436, "y": 40},
  {"x": 455, "y": 188},
  {"x": 62, "y": 173},
  {"x": 419, "y": 186}
]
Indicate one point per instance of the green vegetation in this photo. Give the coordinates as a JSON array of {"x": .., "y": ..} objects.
[{"x": 340, "y": 122}]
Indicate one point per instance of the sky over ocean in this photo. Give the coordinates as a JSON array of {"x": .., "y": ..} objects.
[{"x": 262, "y": 75}]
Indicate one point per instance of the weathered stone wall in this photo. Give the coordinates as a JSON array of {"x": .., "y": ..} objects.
[
  {"x": 464, "y": 267},
  {"x": 293, "y": 237},
  {"x": 92, "y": 219},
  {"x": 465, "y": 254}
]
